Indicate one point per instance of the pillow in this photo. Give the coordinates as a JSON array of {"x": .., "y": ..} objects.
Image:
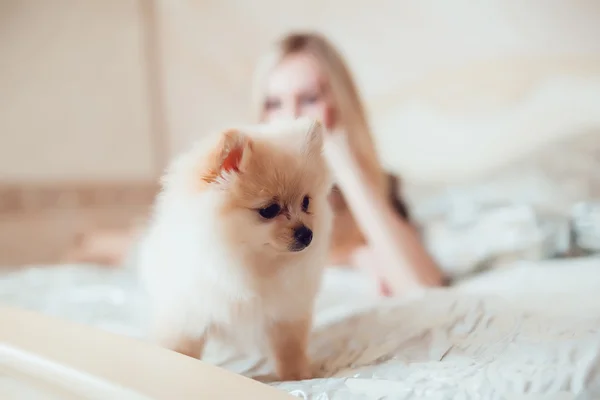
[{"x": 524, "y": 210}]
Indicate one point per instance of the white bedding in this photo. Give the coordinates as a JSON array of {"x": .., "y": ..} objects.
[{"x": 527, "y": 328}]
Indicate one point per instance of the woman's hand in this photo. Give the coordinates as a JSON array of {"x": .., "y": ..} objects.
[{"x": 365, "y": 259}]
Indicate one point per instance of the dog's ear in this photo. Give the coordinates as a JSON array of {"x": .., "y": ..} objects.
[
  {"x": 235, "y": 151},
  {"x": 230, "y": 156},
  {"x": 314, "y": 137}
]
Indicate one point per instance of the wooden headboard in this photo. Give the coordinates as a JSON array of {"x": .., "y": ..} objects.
[{"x": 40, "y": 223}]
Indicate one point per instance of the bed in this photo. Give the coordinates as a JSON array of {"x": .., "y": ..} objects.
[
  {"x": 530, "y": 327},
  {"x": 46, "y": 358},
  {"x": 522, "y": 318}
]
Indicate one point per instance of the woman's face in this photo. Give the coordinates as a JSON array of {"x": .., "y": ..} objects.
[{"x": 297, "y": 88}]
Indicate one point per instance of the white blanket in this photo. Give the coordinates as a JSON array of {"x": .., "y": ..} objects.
[{"x": 523, "y": 329}]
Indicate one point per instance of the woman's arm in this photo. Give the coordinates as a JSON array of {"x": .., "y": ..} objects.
[{"x": 405, "y": 265}]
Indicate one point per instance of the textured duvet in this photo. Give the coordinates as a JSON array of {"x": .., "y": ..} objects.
[{"x": 524, "y": 330}]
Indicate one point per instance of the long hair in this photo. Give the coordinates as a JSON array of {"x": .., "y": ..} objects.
[{"x": 349, "y": 111}]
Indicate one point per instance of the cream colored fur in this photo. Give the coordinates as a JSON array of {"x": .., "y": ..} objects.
[{"x": 215, "y": 268}]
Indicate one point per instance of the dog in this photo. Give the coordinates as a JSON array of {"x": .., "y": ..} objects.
[{"x": 238, "y": 240}]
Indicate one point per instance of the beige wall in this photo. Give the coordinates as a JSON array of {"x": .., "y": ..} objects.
[
  {"x": 73, "y": 97},
  {"x": 452, "y": 87}
]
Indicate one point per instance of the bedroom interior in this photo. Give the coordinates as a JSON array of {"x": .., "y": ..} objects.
[{"x": 489, "y": 111}]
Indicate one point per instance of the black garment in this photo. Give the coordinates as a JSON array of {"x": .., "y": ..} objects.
[{"x": 396, "y": 199}]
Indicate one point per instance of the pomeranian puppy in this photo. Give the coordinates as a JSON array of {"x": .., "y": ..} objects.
[{"x": 238, "y": 242}]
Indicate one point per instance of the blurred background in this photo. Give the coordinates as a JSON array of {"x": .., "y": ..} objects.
[{"x": 96, "y": 96}]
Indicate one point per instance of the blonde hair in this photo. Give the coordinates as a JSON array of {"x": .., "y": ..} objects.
[{"x": 349, "y": 110}]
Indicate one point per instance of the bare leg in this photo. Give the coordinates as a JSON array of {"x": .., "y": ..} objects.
[{"x": 288, "y": 341}]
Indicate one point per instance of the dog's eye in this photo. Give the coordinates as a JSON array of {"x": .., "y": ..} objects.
[
  {"x": 305, "y": 203},
  {"x": 270, "y": 212}
]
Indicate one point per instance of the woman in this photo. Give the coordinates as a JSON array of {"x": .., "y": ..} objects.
[{"x": 306, "y": 76}]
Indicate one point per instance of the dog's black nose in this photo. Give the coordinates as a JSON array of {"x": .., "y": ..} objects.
[{"x": 303, "y": 236}]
